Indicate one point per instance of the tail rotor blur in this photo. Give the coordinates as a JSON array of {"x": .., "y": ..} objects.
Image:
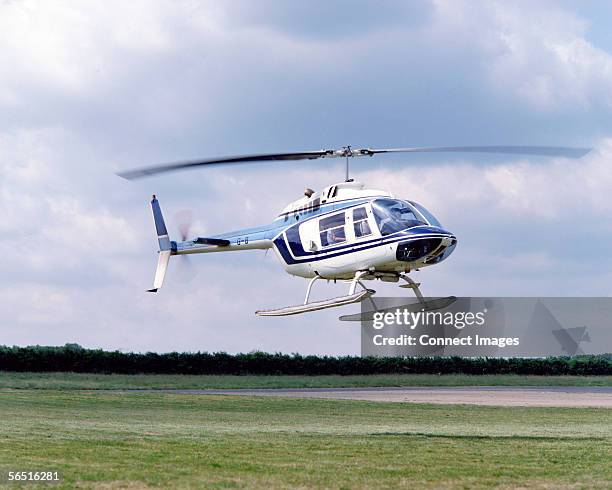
[{"x": 186, "y": 271}]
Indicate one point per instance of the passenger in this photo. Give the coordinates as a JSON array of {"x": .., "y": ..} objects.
[{"x": 335, "y": 235}]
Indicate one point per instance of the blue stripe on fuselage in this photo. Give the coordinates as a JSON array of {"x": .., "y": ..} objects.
[
  {"x": 289, "y": 259},
  {"x": 293, "y": 239}
]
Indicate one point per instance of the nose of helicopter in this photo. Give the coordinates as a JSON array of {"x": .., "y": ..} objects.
[{"x": 427, "y": 244}]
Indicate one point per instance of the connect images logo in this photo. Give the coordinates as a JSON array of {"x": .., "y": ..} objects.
[{"x": 412, "y": 319}]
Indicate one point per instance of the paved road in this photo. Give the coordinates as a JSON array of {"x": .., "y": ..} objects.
[{"x": 554, "y": 396}]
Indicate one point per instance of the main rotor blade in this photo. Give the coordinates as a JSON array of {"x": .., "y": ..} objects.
[
  {"x": 171, "y": 167},
  {"x": 551, "y": 151}
]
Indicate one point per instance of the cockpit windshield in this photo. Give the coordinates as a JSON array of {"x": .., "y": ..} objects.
[
  {"x": 393, "y": 216},
  {"x": 426, "y": 214}
]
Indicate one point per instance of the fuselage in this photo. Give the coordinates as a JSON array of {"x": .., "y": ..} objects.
[{"x": 341, "y": 230}]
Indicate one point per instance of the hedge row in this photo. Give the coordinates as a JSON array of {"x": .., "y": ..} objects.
[{"x": 72, "y": 357}]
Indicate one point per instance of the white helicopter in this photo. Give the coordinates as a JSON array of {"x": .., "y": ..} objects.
[{"x": 344, "y": 232}]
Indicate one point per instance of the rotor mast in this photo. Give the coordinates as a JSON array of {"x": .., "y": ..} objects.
[{"x": 347, "y": 152}]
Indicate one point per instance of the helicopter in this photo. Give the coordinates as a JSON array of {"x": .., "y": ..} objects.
[{"x": 344, "y": 232}]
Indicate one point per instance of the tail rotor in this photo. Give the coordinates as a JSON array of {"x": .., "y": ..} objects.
[{"x": 184, "y": 218}]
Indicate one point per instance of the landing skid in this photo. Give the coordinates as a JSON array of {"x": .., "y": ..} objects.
[
  {"x": 318, "y": 305},
  {"x": 352, "y": 297}
]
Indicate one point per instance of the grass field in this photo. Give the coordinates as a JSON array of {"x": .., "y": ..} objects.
[
  {"x": 76, "y": 381},
  {"x": 142, "y": 440}
]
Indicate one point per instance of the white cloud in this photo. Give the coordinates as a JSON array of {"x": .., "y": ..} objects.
[
  {"x": 542, "y": 189},
  {"x": 72, "y": 47},
  {"x": 536, "y": 52}
]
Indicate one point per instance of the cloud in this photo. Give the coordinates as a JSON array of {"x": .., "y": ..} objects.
[
  {"x": 541, "y": 57},
  {"x": 88, "y": 89}
]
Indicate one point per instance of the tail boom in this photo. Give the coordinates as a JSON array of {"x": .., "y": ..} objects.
[{"x": 246, "y": 239}]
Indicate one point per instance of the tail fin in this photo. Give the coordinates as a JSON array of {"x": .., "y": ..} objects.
[
  {"x": 165, "y": 246},
  {"x": 160, "y": 226}
]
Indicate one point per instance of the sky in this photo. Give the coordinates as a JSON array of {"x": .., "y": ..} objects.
[{"x": 88, "y": 89}]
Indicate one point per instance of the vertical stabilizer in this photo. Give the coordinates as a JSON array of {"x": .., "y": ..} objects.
[
  {"x": 160, "y": 225},
  {"x": 165, "y": 246},
  {"x": 160, "y": 272}
]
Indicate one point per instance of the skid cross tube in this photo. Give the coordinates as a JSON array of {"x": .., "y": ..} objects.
[
  {"x": 356, "y": 279},
  {"x": 414, "y": 286},
  {"x": 312, "y": 281}
]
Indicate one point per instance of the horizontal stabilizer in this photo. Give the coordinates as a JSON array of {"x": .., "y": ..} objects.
[{"x": 212, "y": 241}]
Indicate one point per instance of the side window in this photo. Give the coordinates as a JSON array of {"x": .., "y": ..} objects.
[
  {"x": 360, "y": 223},
  {"x": 332, "y": 230}
]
